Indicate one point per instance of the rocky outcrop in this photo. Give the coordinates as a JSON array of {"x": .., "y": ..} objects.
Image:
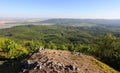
[
  {"x": 58, "y": 61},
  {"x": 43, "y": 64}
]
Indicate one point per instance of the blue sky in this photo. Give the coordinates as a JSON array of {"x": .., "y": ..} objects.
[{"x": 108, "y": 9}]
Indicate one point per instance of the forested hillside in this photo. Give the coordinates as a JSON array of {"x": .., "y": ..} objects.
[
  {"x": 101, "y": 42},
  {"x": 55, "y": 33}
]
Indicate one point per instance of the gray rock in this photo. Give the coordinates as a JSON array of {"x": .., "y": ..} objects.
[{"x": 70, "y": 67}]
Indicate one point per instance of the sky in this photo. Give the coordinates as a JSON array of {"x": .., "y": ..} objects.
[{"x": 94, "y": 9}]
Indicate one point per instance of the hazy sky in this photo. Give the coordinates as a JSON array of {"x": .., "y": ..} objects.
[{"x": 61, "y": 8}]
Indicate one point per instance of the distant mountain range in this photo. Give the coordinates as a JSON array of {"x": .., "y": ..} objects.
[
  {"x": 71, "y": 22},
  {"x": 99, "y": 22}
]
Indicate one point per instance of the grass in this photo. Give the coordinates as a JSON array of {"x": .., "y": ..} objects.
[{"x": 103, "y": 66}]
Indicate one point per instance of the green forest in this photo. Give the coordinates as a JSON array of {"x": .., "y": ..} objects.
[{"x": 100, "y": 42}]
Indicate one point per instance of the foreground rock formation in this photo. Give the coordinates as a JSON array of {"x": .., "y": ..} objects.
[{"x": 57, "y": 61}]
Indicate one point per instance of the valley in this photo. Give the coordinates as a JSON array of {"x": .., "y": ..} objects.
[{"x": 91, "y": 38}]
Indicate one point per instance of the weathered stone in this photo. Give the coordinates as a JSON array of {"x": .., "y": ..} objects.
[
  {"x": 69, "y": 66},
  {"x": 40, "y": 67}
]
